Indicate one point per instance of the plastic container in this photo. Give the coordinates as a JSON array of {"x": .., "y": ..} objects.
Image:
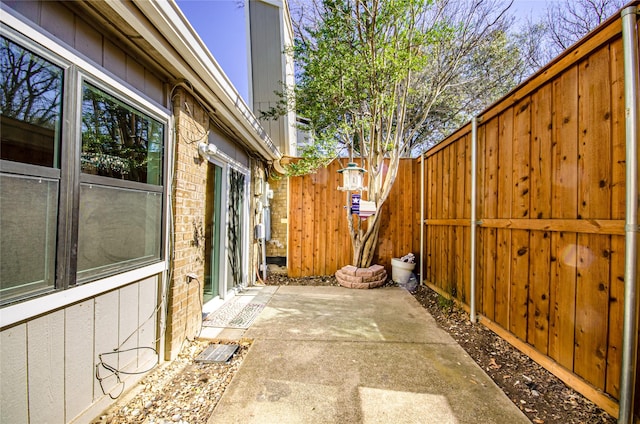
[{"x": 401, "y": 271}]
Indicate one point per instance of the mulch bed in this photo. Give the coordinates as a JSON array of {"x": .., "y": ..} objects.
[{"x": 539, "y": 394}]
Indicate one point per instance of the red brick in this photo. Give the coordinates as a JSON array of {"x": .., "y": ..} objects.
[
  {"x": 340, "y": 274},
  {"x": 376, "y": 268},
  {"x": 374, "y": 278},
  {"x": 349, "y": 270},
  {"x": 364, "y": 272}
]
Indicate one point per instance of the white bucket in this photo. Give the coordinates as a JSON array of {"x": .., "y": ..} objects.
[{"x": 401, "y": 271}]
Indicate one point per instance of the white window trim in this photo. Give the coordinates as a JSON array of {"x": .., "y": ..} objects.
[{"x": 27, "y": 309}]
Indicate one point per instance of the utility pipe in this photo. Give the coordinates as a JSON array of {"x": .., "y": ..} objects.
[
  {"x": 265, "y": 222},
  {"x": 422, "y": 159},
  {"x": 632, "y": 231},
  {"x": 474, "y": 224}
]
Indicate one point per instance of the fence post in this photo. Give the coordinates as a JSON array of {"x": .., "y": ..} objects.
[
  {"x": 422, "y": 159},
  {"x": 632, "y": 231},
  {"x": 474, "y": 224}
]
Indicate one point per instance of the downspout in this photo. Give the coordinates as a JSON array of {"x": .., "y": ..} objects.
[
  {"x": 422, "y": 159},
  {"x": 165, "y": 278},
  {"x": 632, "y": 231},
  {"x": 474, "y": 224},
  {"x": 266, "y": 209}
]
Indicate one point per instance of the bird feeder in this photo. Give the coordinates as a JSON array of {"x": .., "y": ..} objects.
[{"x": 353, "y": 177}]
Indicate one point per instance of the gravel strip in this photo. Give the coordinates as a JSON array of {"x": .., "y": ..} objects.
[{"x": 182, "y": 391}]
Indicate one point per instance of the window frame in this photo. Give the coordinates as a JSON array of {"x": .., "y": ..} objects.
[
  {"x": 77, "y": 70},
  {"x": 56, "y": 173}
]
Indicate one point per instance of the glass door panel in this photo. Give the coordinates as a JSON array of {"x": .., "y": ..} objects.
[{"x": 212, "y": 232}]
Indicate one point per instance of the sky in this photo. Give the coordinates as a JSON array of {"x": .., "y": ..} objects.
[{"x": 221, "y": 24}]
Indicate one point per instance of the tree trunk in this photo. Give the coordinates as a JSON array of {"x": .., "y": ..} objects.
[{"x": 364, "y": 245}]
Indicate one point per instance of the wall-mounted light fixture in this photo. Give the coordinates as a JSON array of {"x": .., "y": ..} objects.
[{"x": 207, "y": 150}]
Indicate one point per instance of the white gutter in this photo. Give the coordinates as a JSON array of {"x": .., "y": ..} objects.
[
  {"x": 632, "y": 230},
  {"x": 181, "y": 45}
]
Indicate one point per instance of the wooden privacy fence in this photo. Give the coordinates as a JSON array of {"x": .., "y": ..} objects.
[
  {"x": 319, "y": 241},
  {"x": 551, "y": 206}
]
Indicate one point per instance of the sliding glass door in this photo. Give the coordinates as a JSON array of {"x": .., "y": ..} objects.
[{"x": 213, "y": 245}]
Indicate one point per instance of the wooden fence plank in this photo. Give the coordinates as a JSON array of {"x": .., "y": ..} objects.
[
  {"x": 467, "y": 214},
  {"x": 520, "y": 163},
  {"x": 616, "y": 317},
  {"x": 307, "y": 227},
  {"x": 520, "y": 249},
  {"x": 592, "y": 308},
  {"x": 489, "y": 210},
  {"x": 480, "y": 235},
  {"x": 540, "y": 198},
  {"x": 333, "y": 215},
  {"x": 294, "y": 253},
  {"x": 541, "y": 153},
  {"x": 519, "y": 299},
  {"x": 503, "y": 237},
  {"x": 565, "y": 146},
  {"x": 490, "y": 253},
  {"x": 459, "y": 150},
  {"x": 416, "y": 221},
  {"x": 562, "y": 299},
  {"x": 564, "y": 204},
  {"x": 403, "y": 226},
  {"x": 594, "y": 164},
  {"x": 439, "y": 262},
  {"x": 538, "y": 308},
  {"x": 430, "y": 234},
  {"x": 618, "y": 161},
  {"x": 594, "y": 201},
  {"x": 319, "y": 180},
  {"x": 448, "y": 184},
  {"x": 505, "y": 165}
]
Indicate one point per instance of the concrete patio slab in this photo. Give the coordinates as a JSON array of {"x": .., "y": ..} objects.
[{"x": 338, "y": 355}]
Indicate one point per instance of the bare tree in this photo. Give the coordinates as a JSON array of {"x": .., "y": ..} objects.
[
  {"x": 30, "y": 86},
  {"x": 563, "y": 24}
]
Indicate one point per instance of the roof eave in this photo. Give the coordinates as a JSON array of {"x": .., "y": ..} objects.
[{"x": 192, "y": 59}]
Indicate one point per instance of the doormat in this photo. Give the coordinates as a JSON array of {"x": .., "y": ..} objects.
[{"x": 234, "y": 314}]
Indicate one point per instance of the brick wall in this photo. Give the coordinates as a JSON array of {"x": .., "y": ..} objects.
[
  {"x": 184, "y": 318},
  {"x": 277, "y": 246},
  {"x": 257, "y": 173},
  {"x": 188, "y": 192}
]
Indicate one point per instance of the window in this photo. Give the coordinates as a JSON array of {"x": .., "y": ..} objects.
[
  {"x": 119, "y": 141},
  {"x": 81, "y": 206},
  {"x": 31, "y": 116},
  {"x": 120, "y": 215}
]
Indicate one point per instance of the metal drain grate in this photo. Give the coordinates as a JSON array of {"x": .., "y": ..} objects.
[
  {"x": 234, "y": 315},
  {"x": 217, "y": 353}
]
